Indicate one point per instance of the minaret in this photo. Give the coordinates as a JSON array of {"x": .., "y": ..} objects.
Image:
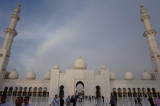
[
  {"x": 149, "y": 34},
  {"x": 10, "y": 33}
]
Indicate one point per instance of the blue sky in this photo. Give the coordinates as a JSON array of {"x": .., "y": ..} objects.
[{"x": 103, "y": 32}]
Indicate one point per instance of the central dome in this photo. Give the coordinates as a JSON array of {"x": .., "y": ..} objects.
[{"x": 80, "y": 64}]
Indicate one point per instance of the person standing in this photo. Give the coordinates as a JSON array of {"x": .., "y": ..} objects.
[
  {"x": 26, "y": 102},
  {"x": 73, "y": 100},
  {"x": 139, "y": 101},
  {"x": 68, "y": 101},
  {"x": 157, "y": 102},
  {"x": 135, "y": 100},
  {"x": 3, "y": 101},
  {"x": 151, "y": 101},
  {"x": 56, "y": 101},
  {"x": 19, "y": 101},
  {"x": 80, "y": 98},
  {"x": 112, "y": 101},
  {"x": 61, "y": 101}
]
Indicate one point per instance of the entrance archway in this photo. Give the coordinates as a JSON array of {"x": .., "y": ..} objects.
[{"x": 79, "y": 88}]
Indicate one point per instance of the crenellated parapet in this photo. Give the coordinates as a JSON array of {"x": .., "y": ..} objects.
[
  {"x": 10, "y": 31},
  {"x": 15, "y": 16},
  {"x": 145, "y": 17},
  {"x": 149, "y": 32}
]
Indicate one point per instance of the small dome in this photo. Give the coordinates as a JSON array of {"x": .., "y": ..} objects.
[
  {"x": 56, "y": 66},
  {"x": 47, "y": 75},
  {"x": 112, "y": 75},
  {"x": 146, "y": 76},
  {"x": 13, "y": 75},
  {"x": 128, "y": 76},
  {"x": 80, "y": 64},
  {"x": 31, "y": 75},
  {"x": 103, "y": 67}
]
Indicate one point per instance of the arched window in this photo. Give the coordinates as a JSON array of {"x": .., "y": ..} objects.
[
  {"x": 25, "y": 91},
  {"x": 129, "y": 92},
  {"x": 114, "y": 92},
  {"x": 30, "y": 91},
  {"x": 124, "y": 92},
  {"x": 144, "y": 92},
  {"x": 20, "y": 91},
  {"x": 45, "y": 91},
  {"x": 134, "y": 92},
  {"x": 15, "y": 91},
  {"x": 119, "y": 92},
  {"x": 154, "y": 92},
  {"x": 5, "y": 90},
  {"x": 139, "y": 92},
  {"x": 10, "y": 91},
  {"x": 39, "y": 91},
  {"x": 35, "y": 91},
  {"x": 149, "y": 92}
]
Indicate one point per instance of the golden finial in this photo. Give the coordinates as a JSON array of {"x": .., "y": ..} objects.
[
  {"x": 141, "y": 5},
  {"x": 18, "y": 4}
]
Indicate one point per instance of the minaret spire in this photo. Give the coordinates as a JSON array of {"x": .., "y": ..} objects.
[
  {"x": 10, "y": 33},
  {"x": 149, "y": 34}
]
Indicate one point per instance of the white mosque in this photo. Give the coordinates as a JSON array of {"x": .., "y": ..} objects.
[{"x": 96, "y": 84}]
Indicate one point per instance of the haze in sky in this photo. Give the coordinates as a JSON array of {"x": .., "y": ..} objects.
[{"x": 103, "y": 32}]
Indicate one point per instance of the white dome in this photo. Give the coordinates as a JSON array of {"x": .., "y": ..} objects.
[
  {"x": 13, "y": 75},
  {"x": 112, "y": 75},
  {"x": 103, "y": 67},
  {"x": 128, "y": 76},
  {"x": 146, "y": 76},
  {"x": 47, "y": 75},
  {"x": 31, "y": 75},
  {"x": 80, "y": 64},
  {"x": 56, "y": 66}
]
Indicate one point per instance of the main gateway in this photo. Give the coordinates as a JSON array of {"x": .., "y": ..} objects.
[{"x": 96, "y": 84}]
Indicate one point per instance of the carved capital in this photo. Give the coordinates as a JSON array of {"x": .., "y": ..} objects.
[
  {"x": 10, "y": 31},
  {"x": 145, "y": 17},
  {"x": 149, "y": 32},
  {"x": 15, "y": 16}
]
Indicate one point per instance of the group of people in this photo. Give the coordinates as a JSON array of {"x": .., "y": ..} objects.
[
  {"x": 152, "y": 102},
  {"x": 137, "y": 100},
  {"x": 156, "y": 102},
  {"x": 60, "y": 101},
  {"x": 18, "y": 102}
]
